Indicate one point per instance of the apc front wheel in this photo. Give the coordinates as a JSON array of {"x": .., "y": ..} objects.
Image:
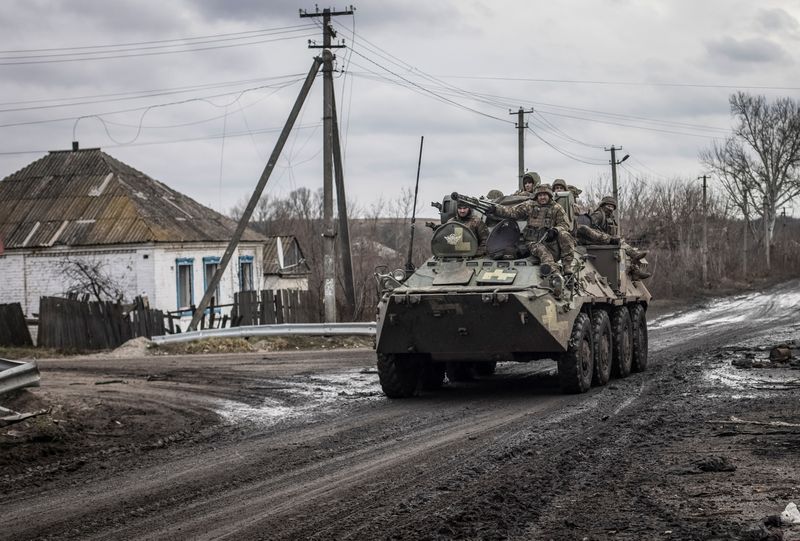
[
  {"x": 576, "y": 364},
  {"x": 399, "y": 375},
  {"x": 601, "y": 336},
  {"x": 622, "y": 345},
  {"x": 639, "y": 326}
]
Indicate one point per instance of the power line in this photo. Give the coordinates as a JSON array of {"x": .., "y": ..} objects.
[
  {"x": 157, "y": 41},
  {"x": 571, "y": 156},
  {"x": 619, "y": 83},
  {"x": 134, "y": 95},
  {"x": 143, "y": 108},
  {"x": 154, "y": 53}
]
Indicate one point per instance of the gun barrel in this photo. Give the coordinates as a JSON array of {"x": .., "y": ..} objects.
[{"x": 472, "y": 202}]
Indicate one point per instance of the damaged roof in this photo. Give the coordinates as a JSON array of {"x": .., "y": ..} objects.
[
  {"x": 87, "y": 198},
  {"x": 284, "y": 257}
]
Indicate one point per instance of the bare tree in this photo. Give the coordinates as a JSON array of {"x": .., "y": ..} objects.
[
  {"x": 90, "y": 277},
  {"x": 759, "y": 165}
]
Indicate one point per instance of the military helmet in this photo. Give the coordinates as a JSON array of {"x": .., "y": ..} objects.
[
  {"x": 608, "y": 200},
  {"x": 533, "y": 176},
  {"x": 575, "y": 190},
  {"x": 494, "y": 194},
  {"x": 559, "y": 182},
  {"x": 543, "y": 188}
]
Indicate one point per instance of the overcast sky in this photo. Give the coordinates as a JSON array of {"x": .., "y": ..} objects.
[{"x": 651, "y": 76}]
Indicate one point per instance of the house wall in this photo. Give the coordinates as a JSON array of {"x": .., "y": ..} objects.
[
  {"x": 30, "y": 274},
  {"x": 166, "y": 278},
  {"x": 27, "y": 275},
  {"x": 272, "y": 281}
]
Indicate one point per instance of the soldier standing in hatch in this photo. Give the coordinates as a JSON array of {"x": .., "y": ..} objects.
[
  {"x": 604, "y": 230},
  {"x": 467, "y": 218},
  {"x": 547, "y": 226},
  {"x": 530, "y": 180}
]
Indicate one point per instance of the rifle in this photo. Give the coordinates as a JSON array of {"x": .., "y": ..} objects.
[
  {"x": 481, "y": 205},
  {"x": 409, "y": 264}
]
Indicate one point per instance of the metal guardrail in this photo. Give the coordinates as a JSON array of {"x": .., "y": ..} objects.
[
  {"x": 284, "y": 329},
  {"x": 16, "y": 375}
]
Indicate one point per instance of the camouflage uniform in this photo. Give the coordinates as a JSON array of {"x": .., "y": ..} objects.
[
  {"x": 540, "y": 219},
  {"x": 476, "y": 225},
  {"x": 537, "y": 180},
  {"x": 604, "y": 230}
]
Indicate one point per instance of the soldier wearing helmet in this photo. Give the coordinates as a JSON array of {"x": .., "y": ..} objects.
[
  {"x": 468, "y": 219},
  {"x": 559, "y": 185},
  {"x": 604, "y": 230},
  {"x": 547, "y": 230},
  {"x": 530, "y": 180}
]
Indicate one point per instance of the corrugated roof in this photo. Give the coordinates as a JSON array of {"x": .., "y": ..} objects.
[{"x": 86, "y": 197}]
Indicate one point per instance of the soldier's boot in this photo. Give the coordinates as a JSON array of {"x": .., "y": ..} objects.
[
  {"x": 637, "y": 255},
  {"x": 614, "y": 240},
  {"x": 568, "y": 264},
  {"x": 637, "y": 273}
]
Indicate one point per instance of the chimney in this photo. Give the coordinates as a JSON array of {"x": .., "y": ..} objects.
[{"x": 74, "y": 146}]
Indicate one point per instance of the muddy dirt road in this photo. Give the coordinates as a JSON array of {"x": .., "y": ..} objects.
[{"x": 303, "y": 445}]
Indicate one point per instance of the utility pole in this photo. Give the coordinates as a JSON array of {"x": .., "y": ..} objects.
[
  {"x": 262, "y": 182},
  {"x": 744, "y": 237},
  {"x": 766, "y": 235},
  {"x": 329, "y": 235},
  {"x": 614, "y": 163},
  {"x": 521, "y": 126},
  {"x": 705, "y": 232}
]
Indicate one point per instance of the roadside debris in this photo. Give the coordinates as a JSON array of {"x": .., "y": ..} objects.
[
  {"x": 715, "y": 464},
  {"x": 11, "y": 417},
  {"x": 790, "y": 515},
  {"x": 785, "y": 355}
]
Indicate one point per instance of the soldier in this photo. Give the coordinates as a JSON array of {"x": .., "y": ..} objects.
[
  {"x": 604, "y": 230},
  {"x": 579, "y": 206},
  {"x": 548, "y": 228},
  {"x": 559, "y": 185},
  {"x": 530, "y": 180},
  {"x": 465, "y": 217}
]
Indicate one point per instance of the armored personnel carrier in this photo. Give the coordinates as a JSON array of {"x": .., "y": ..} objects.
[{"x": 459, "y": 314}]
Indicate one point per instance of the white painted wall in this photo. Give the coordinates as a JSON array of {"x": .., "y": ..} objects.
[{"x": 26, "y": 275}]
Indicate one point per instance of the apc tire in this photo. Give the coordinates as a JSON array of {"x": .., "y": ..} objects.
[
  {"x": 432, "y": 376},
  {"x": 460, "y": 371},
  {"x": 399, "y": 375},
  {"x": 639, "y": 328},
  {"x": 602, "y": 339},
  {"x": 575, "y": 366},
  {"x": 485, "y": 368},
  {"x": 622, "y": 342}
]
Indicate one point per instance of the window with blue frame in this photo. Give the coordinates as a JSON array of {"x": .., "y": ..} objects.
[
  {"x": 184, "y": 278},
  {"x": 246, "y": 273},
  {"x": 210, "y": 266}
]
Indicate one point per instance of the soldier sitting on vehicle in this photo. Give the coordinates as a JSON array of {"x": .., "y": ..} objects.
[
  {"x": 547, "y": 232},
  {"x": 468, "y": 219},
  {"x": 604, "y": 230},
  {"x": 530, "y": 180}
]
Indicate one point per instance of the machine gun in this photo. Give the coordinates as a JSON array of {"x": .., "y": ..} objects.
[{"x": 481, "y": 205}]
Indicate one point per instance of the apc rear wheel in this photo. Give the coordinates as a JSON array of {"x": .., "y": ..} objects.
[
  {"x": 399, "y": 375},
  {"x": 601, "y": 336},
  {"x": 622, "y": 342},
  {"x": 639, "y": 326},
  {"x": 576, "y": 365}
]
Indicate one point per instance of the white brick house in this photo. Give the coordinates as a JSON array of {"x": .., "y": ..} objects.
[{"x": 85, "y": 206}]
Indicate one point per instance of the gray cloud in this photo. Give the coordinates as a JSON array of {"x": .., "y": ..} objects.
[
  {"x": 777, "y": 21},
  {"x": 729, "y": 50}
]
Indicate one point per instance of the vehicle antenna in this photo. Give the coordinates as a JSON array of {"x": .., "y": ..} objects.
[{"x": 409, "y": 263}]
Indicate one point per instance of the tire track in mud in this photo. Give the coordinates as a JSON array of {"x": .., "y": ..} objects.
[{"x": 262, "y": 506}]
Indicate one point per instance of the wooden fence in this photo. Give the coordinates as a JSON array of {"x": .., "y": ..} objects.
[
  {"x": 13, "y": 329},
  {"x": 71, "y": 324},
  {"x": 266, "y": 307}
]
